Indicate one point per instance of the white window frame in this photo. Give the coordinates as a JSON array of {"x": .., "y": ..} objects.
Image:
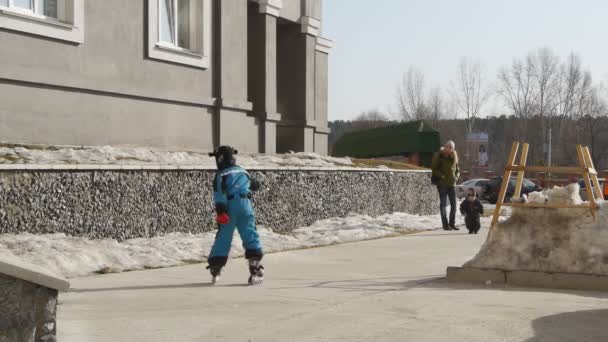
[
  {"x": 171, "y": 53},
  {"x": 28, "y": 21},
  {"x": 12, "y": 8}
]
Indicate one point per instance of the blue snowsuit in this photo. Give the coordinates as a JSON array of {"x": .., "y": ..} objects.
[{"x": 231, "y": 192}]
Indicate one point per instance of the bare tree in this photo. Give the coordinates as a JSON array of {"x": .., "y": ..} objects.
[
  {"x": 575, "y": 97},
  {"x": 575, "y": 85},
  {"x": 518, "y": 89},
  {"x": 436, "y": 105},
  {"x": 373, "y": 115},
  {"x": 469, "y": 91},
  {"x": 411, "y": 95},
  {"x": 545, "y": 66},
  {"x": 370, "y": 119},
  {"x": 586, "y": 93},
  {"x": 593, "y": 109}
]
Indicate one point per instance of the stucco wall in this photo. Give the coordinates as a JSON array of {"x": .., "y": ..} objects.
[
  {"x": 112, "y": 58},
  {"x": 291, "y": 72},
  {"x": 104, "y": 91},
  {"x": 321, "y": 88},
  {"x": 321, "y": 144},
  {"x": 293, "y": 9},
  {"x": 312, "y": 8},
  {"x": 239, "y": 130},
  {"x": 51, "y": 116},
  {"x": 107, "y": 91}
]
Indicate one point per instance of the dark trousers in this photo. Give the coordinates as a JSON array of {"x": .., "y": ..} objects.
[
  {"x": 473, "y": 223},
  {"x": 445, "y": 193}
]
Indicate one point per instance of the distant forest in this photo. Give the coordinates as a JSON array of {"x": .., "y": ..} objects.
[{"x": 566, "y": 133}]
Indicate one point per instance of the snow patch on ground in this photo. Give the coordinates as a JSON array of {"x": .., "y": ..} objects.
[
  {"x": 116, "y": 155},
  {"x": 549, "y": 240},
  {"x": 77, "y": 256}
]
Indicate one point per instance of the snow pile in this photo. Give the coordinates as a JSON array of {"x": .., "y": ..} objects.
[
  {"x": 138, "y": 155},
  {"x": 558, "y": 195},
  {"x": 73, "y": 256},
  {"x": 549, "y": 240}
]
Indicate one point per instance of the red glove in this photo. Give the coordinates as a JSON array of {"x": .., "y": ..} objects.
[{"x": 222, "y": 219}]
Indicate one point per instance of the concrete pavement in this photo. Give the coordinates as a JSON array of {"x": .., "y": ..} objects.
[{"x": 383, "y": 290}]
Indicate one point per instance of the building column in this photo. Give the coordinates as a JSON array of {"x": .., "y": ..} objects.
[
  {"x": 234, "y": 124},
  {"x": 263, "y": 69},
  {"x": 311, "y": 28},
  {"x": 322, "y": 131},
  {"x": 296, "y": 89}
]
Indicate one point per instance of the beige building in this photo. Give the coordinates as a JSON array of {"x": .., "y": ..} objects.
[{"x": 188, "y": 74}]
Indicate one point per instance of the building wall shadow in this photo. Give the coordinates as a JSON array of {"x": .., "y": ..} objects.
[{"x": 579, "y": 326}]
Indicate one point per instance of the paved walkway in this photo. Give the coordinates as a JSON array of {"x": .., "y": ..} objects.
[{"x": 382, "y": 290}]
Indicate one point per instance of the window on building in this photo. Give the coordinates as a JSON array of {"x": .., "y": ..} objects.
[
  {"x": 48, "y": 8},
  {"x": 179, "y": 31},
  {"x": 39, "y": 8},
  {"x": 60, "y": 19},
  {"x": 175, "y": 21}
]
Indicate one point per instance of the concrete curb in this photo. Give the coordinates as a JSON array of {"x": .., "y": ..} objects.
[
  {"x": 19, "y": 269},
  {"x": 566, "y": 281}
]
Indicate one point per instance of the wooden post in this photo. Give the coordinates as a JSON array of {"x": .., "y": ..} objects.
[
  {"x": 583, "y": 163},
  {"x": 520, "y": 174},
  {"x": 596, "y": 184},
  {"x": 505, "y": 183}
]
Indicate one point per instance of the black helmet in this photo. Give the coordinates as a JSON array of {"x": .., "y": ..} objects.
[{"x": 224, "y": 157}]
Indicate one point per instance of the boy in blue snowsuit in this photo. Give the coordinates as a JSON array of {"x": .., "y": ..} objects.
[{"x": 232, "y": 188}]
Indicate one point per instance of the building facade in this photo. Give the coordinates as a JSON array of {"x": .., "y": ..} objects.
[{"x": 176, "y": 74}]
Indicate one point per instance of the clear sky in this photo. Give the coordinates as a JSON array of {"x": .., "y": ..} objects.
[{"x": 377, "y": 40}]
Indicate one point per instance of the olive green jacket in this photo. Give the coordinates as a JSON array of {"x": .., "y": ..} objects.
[{"x": 446, "y": 169}]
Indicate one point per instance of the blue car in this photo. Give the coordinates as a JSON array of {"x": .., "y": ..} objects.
[{"x": 493, "y": 188}]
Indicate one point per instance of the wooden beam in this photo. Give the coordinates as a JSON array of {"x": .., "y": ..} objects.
[
  {"x": 553, "y": 169},
  {"x": 548, "y": 206},
  {"x": 505, "y": 183},
  {"x": 586, "y": 169},
  {"x": 520, "y": 174},
  {"x": 583, "y": 163},
  {"x": 594, "y": 181}
]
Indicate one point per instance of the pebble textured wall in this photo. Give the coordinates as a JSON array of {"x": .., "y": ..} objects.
[
  {"x": 27, "y": 311},
  {"x": 130, "y": 204}
]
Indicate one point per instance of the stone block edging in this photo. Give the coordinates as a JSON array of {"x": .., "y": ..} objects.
[
  {"x": 19, "y": 269},
  {"x": 564, "y": 281}
]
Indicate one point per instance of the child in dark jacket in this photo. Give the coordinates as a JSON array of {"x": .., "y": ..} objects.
[{"x": 471, "y": 208}]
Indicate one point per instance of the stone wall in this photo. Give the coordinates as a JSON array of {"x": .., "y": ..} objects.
[
  {"x": 27, "y": 311},
  {"x": 123, "y": 204}
]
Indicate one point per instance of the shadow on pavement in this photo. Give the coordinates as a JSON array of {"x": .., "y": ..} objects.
[
  {"x": 151, "y": 287},
  {"x": 434, "y": 282},
  {"x": 376, "y": 285},
  {"x": 422, "y": 234},
  {"x": 369, "y": 285},
  {"x": 588, "y": 326}
]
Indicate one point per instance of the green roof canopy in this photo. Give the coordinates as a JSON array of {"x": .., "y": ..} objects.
[{"x": 410, "y": 137}]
